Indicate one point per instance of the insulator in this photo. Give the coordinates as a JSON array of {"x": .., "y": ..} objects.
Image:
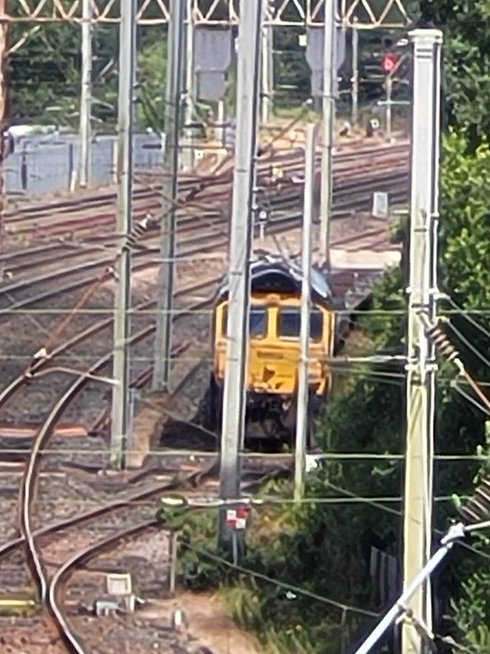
[
  {"x": 442, "y": 343},
  {"x": 477, "y": 508},
  {"x": 136, "y": 233}
]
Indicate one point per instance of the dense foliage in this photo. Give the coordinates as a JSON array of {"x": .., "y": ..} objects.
[
  {"x": 324, "y": 545},
  {"x": 467, "y": 61},
  {"x": 327, "y": 546},
  {"x": 44, "y": 76}
]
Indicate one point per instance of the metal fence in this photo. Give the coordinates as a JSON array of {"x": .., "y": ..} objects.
[{"x": 46, "y": 164}]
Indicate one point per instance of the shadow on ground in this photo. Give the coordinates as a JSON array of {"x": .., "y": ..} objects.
[{"x": 180, "y": 435}]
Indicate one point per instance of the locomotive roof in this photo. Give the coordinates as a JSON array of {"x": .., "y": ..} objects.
[{"x": 273, "y": 271}]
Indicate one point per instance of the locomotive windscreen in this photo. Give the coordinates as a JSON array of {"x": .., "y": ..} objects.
[{"x": 275, "y": 281}]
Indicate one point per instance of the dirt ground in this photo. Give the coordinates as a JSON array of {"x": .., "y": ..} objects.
[{"x": 208, "y": 623}]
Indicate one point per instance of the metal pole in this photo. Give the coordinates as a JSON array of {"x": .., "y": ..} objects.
[
  {"x": 173, "y": 97},
  {"x": 355, "y": 75},
  {"x": 302, "y": 406},
  {"x": 248, "y": 80},
  {"x": 130, "y": 442},
  {"x": 328, "y": 108},
  {"x": 86, "y": 94},
  {"x": 455, "y": 533},
  {"x": 173, "y": 554},
  {"x": 3, "y": 116},
  {"x": 221, "y": 118},
  {"x": 267, "y": 44},
  {"x": 389, "y": 91},
  {"x": 122, "y": 300},
  {"x": 421, "y": 365},
  {"x": 188, "y": 154}
]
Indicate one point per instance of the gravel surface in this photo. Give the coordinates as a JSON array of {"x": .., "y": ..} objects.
[
  {"x": 146, "y": 558},
  {"x": 73, "y": 492},
  {"x": 24, "y": 334},
  {"x": 26, "y": 331},
  {"x": 149, "y": 628},
  {"x": 28, "y": 636}
]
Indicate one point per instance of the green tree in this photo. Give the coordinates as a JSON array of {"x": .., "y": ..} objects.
[
  {"x": 466, "y": 28},
  {"x": 152, "y": 70},
  {"x": 43, "y": 72},
  {"x": 44, "y": 75}
]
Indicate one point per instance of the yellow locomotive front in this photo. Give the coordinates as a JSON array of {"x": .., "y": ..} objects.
[
  {"x": 274, "y": 352},
  {"x": 274, "y": 347}
]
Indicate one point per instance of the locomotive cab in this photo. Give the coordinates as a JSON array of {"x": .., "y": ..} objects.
[{"x": 273, "y": 351}]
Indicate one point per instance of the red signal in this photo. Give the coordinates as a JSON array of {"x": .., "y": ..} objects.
[{"x": 389, "y": 62}]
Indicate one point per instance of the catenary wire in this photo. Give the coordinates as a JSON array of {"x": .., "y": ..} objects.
[
  {"x": 468, "y": 344},
  {"x": 278, "y": 583},
  {"x": 467, "y": 314}
]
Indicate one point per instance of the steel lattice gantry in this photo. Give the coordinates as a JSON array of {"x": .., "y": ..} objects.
[{"x": 363, "y": 14}]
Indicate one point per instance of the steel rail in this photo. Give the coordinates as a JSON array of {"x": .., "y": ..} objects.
[
  {"x": 188, "y": 222},
  {"x": 22, "y": 379},
  {"x": 28, "y": 486},
  {"x": 89, "y": 245},
  {"x": 28, "y": 483},
  {"x": 73, "y": 643},
  {"x": 352, "y": 194},
  {"x": 92, "y": 330},
  {"x": 75, "y": 206}
]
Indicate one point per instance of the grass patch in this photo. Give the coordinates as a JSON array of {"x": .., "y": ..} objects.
[{"x": 264, "y": 594}]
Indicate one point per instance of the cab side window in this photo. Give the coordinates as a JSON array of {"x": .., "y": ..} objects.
[
  {"x": 257, "y": 322},
  {"x": 289, "y": 323}
]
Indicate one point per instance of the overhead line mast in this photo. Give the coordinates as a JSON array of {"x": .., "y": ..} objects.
[
  {"x": 86, "y": 97},
  {"x": 173, "y": 114},
  {"x": 122, "y": 300},
  {"x": 248, "y": 92},
  {"x": 421, "y": 366},
  {"x": 328, "y": 111}
]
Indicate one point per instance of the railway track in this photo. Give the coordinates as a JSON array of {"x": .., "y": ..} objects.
[
  {"x": 51, "y": 579},
  {"x": 53, "y": 561},
  {"x": 30, "y": 480},
  {"x": 348, "y": 200},
  {"x": 47, "y": 365},
  {"x": 48, "y": 584},
  {"x": 203, "y": 194},
  {"x": 276, "y": 226}
]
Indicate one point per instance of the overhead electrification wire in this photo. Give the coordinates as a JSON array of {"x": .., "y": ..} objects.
[
  {"x": 468, "y": 344},
  {"x": 481, "y": 407},
  {"x": 279, "y": 584},
  {"x": 450, "y": 353},
  {"x": 467, "y": 314},
  {"x": 201, "y": 454}
]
